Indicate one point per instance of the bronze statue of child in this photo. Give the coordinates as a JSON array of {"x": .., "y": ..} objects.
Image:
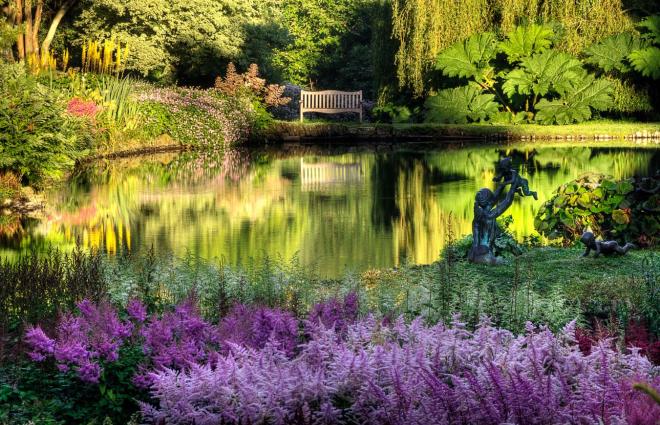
[
  {"x": 603, "y": 247},
  {"x": 506, "y": 174}
]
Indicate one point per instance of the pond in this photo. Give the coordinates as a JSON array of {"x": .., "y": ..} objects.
[{"x": 336, "y": 209}]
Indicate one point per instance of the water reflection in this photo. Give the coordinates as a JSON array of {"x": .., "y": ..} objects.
[{"x": 336, "y": 210}]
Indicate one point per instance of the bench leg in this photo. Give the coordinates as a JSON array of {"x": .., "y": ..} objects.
[
  {"x": 360, "y": 116},
  {"x": 301, "y": 115}
]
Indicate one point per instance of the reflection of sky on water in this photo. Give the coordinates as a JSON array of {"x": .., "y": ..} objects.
[{"x": 353, "y": 210}]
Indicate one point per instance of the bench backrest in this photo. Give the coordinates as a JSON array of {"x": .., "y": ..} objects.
[{"x": 330, "y": 102}]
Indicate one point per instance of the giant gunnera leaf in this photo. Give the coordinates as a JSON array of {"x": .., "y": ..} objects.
[
  {"x": 469, "y": 58},
  {"x": 526, "y": 40},
  {"x": 576, "y": 104},
  {"x": 612, "y": 52},
  {"x": 460, "y": 105},
  {"x": 646, "y": 62},
  {"x": 543, "y": 73},
  {"x": 650, "y": 27}
]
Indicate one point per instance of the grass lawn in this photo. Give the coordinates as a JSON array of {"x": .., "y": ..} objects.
[{"x": 588, "y": 130}]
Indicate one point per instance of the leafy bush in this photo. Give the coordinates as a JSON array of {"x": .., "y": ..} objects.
[
  {"x": 205, "y": 118},
  {"x": 625, "y": 209},
  {"x": 38, "y": 139},
  {"x": 535, "y": 83}
]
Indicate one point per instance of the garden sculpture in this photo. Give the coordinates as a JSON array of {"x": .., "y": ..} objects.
[
  {"x": 488, "y": 206},
  {"x": 506, "y": 174},
  {"x": 603, "y": 247}
]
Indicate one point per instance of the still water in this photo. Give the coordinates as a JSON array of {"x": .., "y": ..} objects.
[{"x": 336, "y": 209}]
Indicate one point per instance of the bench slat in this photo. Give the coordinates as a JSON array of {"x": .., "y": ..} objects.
[{"x": 330, "y": 101}]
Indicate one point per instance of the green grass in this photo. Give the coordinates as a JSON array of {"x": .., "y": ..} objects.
[
  {"x": 589, "y": 130},
  {"x": 544, "y": 285}
]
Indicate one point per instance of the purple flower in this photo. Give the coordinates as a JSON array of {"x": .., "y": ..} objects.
[
  {"x": 41, "y": 345},
  {"x": 136, "y": 310}
]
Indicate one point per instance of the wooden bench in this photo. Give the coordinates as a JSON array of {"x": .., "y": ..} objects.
[{"x": 330, "y": 102}]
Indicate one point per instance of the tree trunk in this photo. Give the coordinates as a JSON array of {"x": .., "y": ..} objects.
[
  {"x": 27, "y": 12},
  {"x": 36, "y": 24},
  {"x": 45, "y": 46},
  {"x": 18, "y": 20}
]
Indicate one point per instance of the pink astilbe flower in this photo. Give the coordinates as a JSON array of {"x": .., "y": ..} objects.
[
  {"x": 136, "y": 310},
  {"x": 335, "y": 313},
  {"x": 81, "y": 108},
  {"x": 410, "y": 374},
  {"x": 41, "y": 345},
  {"x": 82, "y": 341},
  {"x": 254, "y": 327}
]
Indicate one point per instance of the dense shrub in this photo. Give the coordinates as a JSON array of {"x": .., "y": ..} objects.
[
  {"x": 38, "y": 139},
  {"x": 205, "y": 118},
  {"x": 626, "y": 209},
  {"x": 535, "y": 83}
]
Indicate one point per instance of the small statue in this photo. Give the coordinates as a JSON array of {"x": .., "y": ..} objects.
[
  {"x": 487, "y": 208},
  {"x": 603, "y": 247},
  {"x": 506, "y": 172}
]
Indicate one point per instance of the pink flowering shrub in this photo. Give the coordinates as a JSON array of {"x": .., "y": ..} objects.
[
  {"x": 82, "y": 342},
  {"x": 255, "y": 366},
  {"x": 82, "y": 108},
  {"x": 204, "y": 117},
  {"x": 411, "y": 374}
]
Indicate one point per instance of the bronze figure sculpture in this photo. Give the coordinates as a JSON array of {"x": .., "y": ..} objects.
[
  {"x": 603, "y": 247},
  {"x": 506, "y": 174},
  {"x": 487, "y": 207}
]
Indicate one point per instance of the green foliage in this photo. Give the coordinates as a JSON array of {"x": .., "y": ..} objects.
[
  {"x": 545, "y": 85},
  {"x": 629, "y": 98},
  {"x": 543, "y": 73},
  {"x": 39, "y": 393},
  {"x": 611, "y": 53},
  {"x": 38, "y": 140},
  {"x": 393, "y": 113},
  {"x": 607, "y": 207},
  {"x": 424, "y": 28},
  {"x": 469, "y": 59},
  {"x": 646, "y": 62},
  {"x": 577, "y": 103},
  {"x": 651, "y": 28},
  {"x": 187, "y": 39},
  {"x": 524, "y": 41},
  {"x": 460, "y": 105}
]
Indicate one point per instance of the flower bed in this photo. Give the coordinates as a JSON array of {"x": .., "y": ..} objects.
[{"x": 260, "y": 365}]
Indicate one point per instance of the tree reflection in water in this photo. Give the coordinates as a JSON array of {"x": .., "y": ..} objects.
[{"x": 336, "y": 210}]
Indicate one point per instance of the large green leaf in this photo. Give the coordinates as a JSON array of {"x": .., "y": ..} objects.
[
  {"x": 651, "y": 28},
  {"x": 611, "y": 52},
  {"x": 460, "y": 105},
  {"x": 646, "y": 62},
  {"x": 576, "y": 105},
  {"x": 542, "y": 73},
  {"x": 469, "y": 58},
  {"x": 526, "y": 40}
]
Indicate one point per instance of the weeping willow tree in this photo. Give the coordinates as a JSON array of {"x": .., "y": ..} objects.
[{"x": 423, "y": 28}]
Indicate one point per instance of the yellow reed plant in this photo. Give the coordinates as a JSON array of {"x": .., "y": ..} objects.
[
  {"x": 104, "y": 57},
  {"x": 65, "y": 60},
  {"x": 38, "y": 63}
]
